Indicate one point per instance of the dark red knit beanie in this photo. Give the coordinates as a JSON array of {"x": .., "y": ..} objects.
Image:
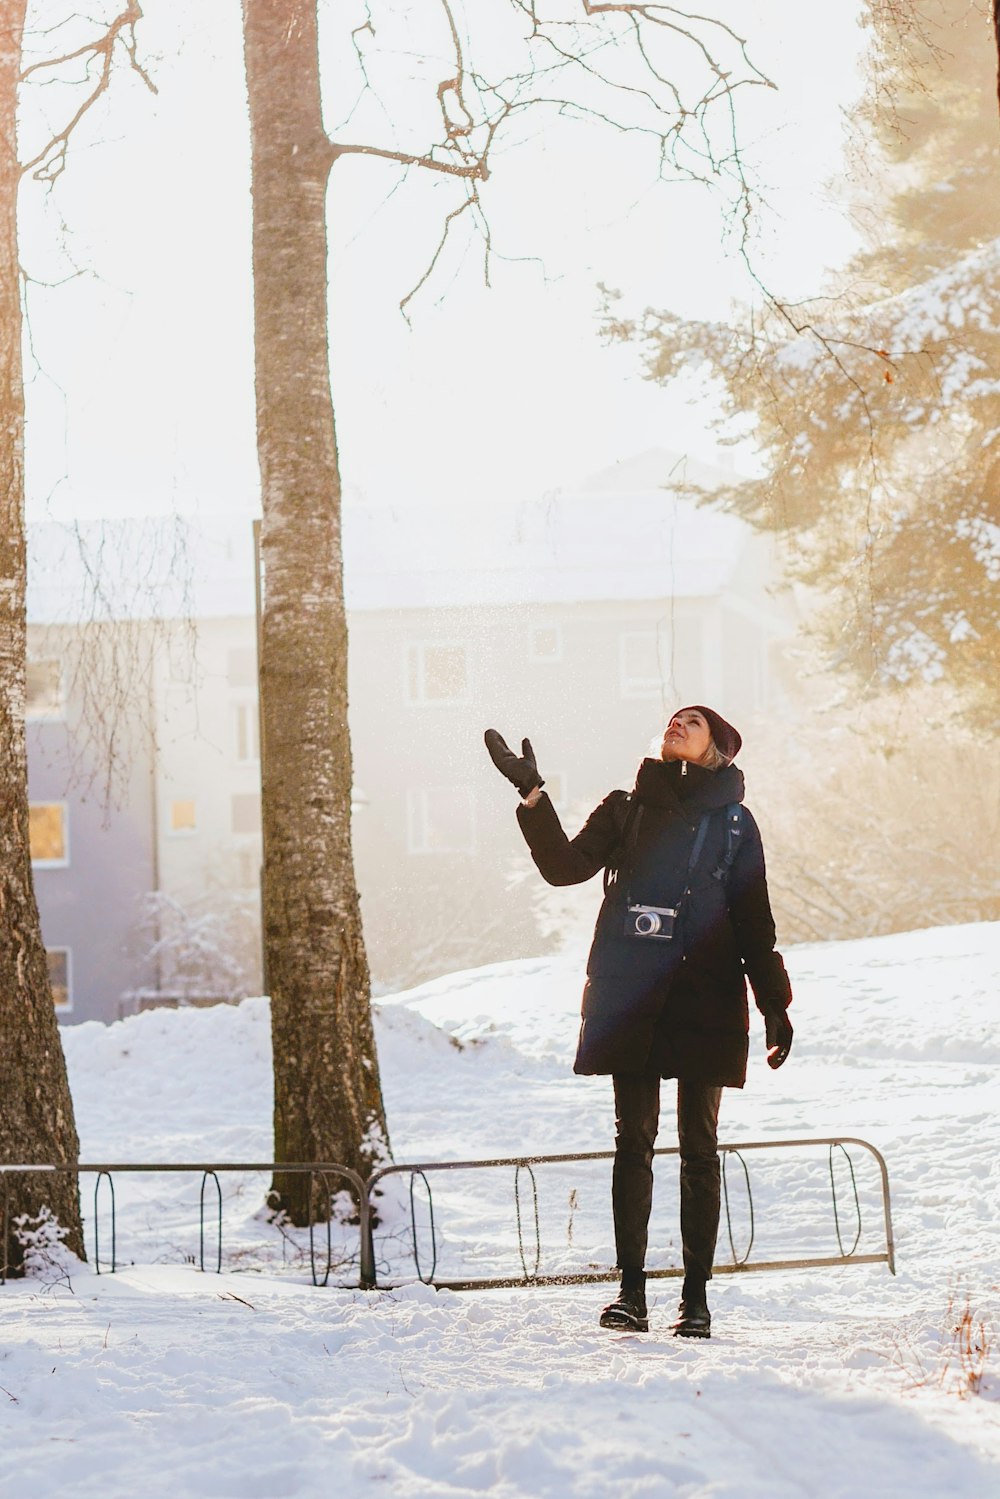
[{"x": 727, "y": 739}]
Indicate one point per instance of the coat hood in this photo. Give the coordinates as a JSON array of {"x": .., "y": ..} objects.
[{"x": 661, "y": 783}]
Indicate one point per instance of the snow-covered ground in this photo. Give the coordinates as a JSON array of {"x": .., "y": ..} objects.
[{"x": 160, "y": 1380}]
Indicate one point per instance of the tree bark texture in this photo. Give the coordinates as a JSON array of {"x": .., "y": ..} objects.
[
  {"x": 36, "y": 1111},
  {"x": 327, "y": 1095}
]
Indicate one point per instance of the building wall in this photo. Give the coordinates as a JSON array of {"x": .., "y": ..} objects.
[
  {"x": 88, "y": 900},
  {"x": 207, "y": 789},
  {"x": 208, "y": 764},
  {"x": 444, "y": 877}
]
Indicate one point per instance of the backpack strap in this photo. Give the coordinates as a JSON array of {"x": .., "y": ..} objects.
[
  {"x": 735, "y": 826},
  {"x": 698, "y": 845}
]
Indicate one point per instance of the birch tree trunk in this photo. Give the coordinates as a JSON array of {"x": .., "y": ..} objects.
[
  {"x": 327, "y": 1094},
  {"x": 36, "y": 1111}
]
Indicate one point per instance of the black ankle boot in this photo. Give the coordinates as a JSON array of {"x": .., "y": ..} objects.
[
  {"x": 694, "y": 1320},
  {"x": 627, "y": 1313}
]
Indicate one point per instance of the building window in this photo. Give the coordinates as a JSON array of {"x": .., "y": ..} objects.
[
  {"x": 48, "y": 829},
  {"x": 246, "y": 812},
  {"x": 184, "y": 816},
  {"x": 440, "y": 820},
  {"x": 436, "y": 673},
  {"x": 45, "y": 697},
  {"x": 247, "y": 732},
  {"x": 546, "y": 643},
  {"x": 639, "y": 671},
  {"x": 60, "y": 977}
]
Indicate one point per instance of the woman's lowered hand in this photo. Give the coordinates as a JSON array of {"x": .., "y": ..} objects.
[
  {"x": 778, "y": 1029},
  {"x": 521, "y": 769}
]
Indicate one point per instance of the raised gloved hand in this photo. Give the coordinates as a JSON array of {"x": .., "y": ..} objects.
[
  {"x": 520, "y": 769},
  {"x": 778, "y": 1029}
]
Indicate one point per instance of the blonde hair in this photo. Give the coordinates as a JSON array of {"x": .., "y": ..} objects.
[{"x": 713, "y": 758}]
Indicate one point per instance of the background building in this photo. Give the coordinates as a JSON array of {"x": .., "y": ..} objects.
[{"x": 581, "y": 621}]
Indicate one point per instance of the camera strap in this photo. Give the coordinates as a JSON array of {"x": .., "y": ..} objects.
[{"x": 734, "y": 832}]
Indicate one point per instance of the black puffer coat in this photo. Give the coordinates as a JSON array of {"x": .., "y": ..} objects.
[{"x": 677, "y": 1007}]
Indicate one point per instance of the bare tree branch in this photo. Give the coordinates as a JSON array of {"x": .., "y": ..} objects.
[
  {"x": 366, "y": 25},
  {"x": 456, "y": 130},
  {"x": 475, "y": 168},
  {"x": 657, "y": 15},
  {"x": 449, "y": 221},
  {"x": 655, "y": 71},
  {"x": 49, "y": 163}
]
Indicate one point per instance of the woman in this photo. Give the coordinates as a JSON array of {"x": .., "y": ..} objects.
[{"x": 685, "y": 919}]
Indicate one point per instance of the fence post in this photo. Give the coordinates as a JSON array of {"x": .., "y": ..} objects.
[{"x": 367, "y": 1277}]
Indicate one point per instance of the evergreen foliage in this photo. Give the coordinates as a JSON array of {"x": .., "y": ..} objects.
[{"x": 877, "y": 407}]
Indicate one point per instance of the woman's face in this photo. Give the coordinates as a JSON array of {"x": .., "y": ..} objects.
[{"x": 687, "y": 737}]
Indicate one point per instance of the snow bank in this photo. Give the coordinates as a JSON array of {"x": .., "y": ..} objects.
[{"x": 163, "y": 1381}]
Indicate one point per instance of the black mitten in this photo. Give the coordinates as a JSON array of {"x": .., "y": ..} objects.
[
  {"x": 778, "y": 1030},
  {"x": 520, "y": 769}
]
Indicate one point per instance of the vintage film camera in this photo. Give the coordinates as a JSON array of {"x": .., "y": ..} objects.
[{"x": 650, "y": 921}]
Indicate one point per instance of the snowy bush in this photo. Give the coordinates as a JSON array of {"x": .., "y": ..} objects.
[{"x": 46, "y": 1257}]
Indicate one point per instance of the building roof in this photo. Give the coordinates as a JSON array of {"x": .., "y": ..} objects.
[
  {"x": 623, "y": 534},
  {"x": 148, "y": 567}
]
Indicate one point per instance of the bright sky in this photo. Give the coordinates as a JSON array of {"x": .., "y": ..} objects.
[{"x": 140, "y": 395}]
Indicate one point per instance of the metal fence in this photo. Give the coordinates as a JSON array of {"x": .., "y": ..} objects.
[
  {"x": 105, "y": 1172},
  {"x": 525, "y": 1208},
  {"x": 525, "y": 1212}
]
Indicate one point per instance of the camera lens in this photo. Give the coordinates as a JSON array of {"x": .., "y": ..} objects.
[{"x": 647, "y": 924}]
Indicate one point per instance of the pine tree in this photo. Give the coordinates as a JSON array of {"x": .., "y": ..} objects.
[{"x": 877, "y": 408}]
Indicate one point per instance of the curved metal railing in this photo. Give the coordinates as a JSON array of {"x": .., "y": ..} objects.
[
  {"x": 526, "y": 1210},
  {"x": 526, "y": 1163}
]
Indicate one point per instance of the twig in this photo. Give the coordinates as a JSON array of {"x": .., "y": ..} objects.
[
  {"x": 49, "y": 163},
  {"x": 610, "y": 47},
  {"x": 232, "y": 1296}
]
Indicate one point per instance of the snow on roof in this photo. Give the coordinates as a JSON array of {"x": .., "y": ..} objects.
[
  {"x": 572, "y": 548},
  {"x": 611, "y": 539},
  {"x": 147, "y": 567}
]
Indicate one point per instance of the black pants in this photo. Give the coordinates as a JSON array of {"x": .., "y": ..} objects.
[{"x": 637, "y": 1116}]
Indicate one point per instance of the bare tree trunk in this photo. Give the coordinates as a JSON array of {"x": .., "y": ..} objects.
[
  {"x": 36, "y": 1111},
  {"x": 327, "y": 1094}
]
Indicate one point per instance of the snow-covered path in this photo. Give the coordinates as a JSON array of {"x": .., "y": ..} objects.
[{"x": 163, "y": 1381}]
